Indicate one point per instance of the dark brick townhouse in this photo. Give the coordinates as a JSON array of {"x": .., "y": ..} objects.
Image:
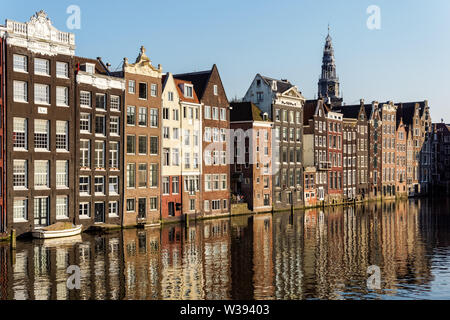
[
  {"x": 441, "y": 158},
  {"x": 99, "y": 100},
  {"x": 40, "y": 123},
  {"x": 375, "y": 150},
  {"x": 253, "y": 179},
  {"x": 315, "y": 144},
  {"x": 357, "y": 115},
  {"x": 215, "y": 117},
  {"x": 335, "y": 175}
]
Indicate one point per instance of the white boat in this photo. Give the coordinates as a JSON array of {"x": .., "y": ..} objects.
[{"x": 44, "y": 234}]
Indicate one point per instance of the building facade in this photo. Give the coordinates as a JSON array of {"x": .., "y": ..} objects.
[
  {"x": 281, "y": 102},
  {"x": 335, "y": 175},
  {"x": 252, "y": 177},
  {"x": 171, "y": 169},
  {"x": 2, "y": 138},
  {"x": 388, "y": 137},
  {"x": 142, "y": 152},
  {"x": 375, "y": 146},
  {"x": 215, "y": 120},
  {"x": 40, "y": 123},
  {"x": 98, "y": 126},
  {"x": 400, "y": 158},
  {"x": 441, "y": 158}
]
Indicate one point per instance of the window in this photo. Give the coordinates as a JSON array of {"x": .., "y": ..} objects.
[
  {"x": 20, "y": 171},
  {"x": 196, "y": 161},
  {"x": 187, "y": 160},
  {"x": 175, "y": 157},
  {"x": 62, "y": 96},
  {"x": 176, "y": 114},
  {"x": 206, "y": 206},
  {"x": 154, "y": 90},
  {"x": 131, "y": 115},
  {"x": 99, "y": 156},
  {"x": 143, "y": 91},
  {"x": 62, "y": 174},
  {"x": 166, "y": 133},
  {"x": 85, "y": 99},
  {"x": 90, "y": 68},
  {"x": 115, "y": 103},
  {"x": 42, "y": 67},
  {"x": 113, "y": 209},
  {"x": 85, "y": 185},
  {"x": 224, "y": 182},
  {"x": 62, "y": 136},
  {"x": 41, "y": 94},
  {"x": 99, "y": 185},
  {"x": 20, "y": 63},
  {"x": 142, "y": 144},
  {"x": 85, "y": 123},
  {"x": 154, "y": 203},
  {"x": 166, "y": 157},
  {"x": 62, "y": 207},
  {"x": 62, "y": 69},
  {"x": 20, "y": 209},
  {"x": 154, "y": 118},
  {"x": 215, "y": 204},
  {"x": 131, "y": 86},
  {"x": 215, "y": 90},
  {"x": 215, "y": 113},
  {"x": 187, "y": 137},
  {"x": 170, "y": 96},
  {"x": 20, "y": 134},
  {"x": 142, "y": 175},
  {"x": 100, "y": 125},
  {"x": 85, "y": 150},
  {"x": 196, "y": 136},
  {"x": 131, "y": 175},
  {"x": 131, "y": 144},
  {"x": 188, "y": 91},
  {"x": 154, "y": 145},
  {"x": 166, "y": 185},
  {"x": 84, "y": 210},
  {"x": 114, "y": 185},
  {"x": 143, "y": 117},
  {"x": 100, "y": 101},
  {"x": 223, "y": 114},
  {"x": 41, "y": 174},
  {"x": 131, "y": 205},
  {"x": 20, "y": 91},
  {"x": 207, "y": 112},
  {"x": 153, "y": 175},
  {"x": 114, "y": 126},
  {"x": 176, "y": 134},
  {"x": 207, "y": 134},
  {"x": 175, "y": 185},
  {"x": 114, "y": 155},
  {"x": 165, "y": 112},
  {"x": 41, "y": 134}
]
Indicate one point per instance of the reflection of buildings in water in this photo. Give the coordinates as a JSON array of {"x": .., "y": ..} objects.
[
  {"x": 263, "y": 276},
  {"x": 241, "y": 252},
  {"x": 3, "y": 272},
  {"x": 288, "y": 255},
  {"x": 141, "y": 264},
  {"x": 216, "y": 259}
]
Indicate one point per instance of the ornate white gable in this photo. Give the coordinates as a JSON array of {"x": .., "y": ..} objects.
[
  {"x": 40, "y": 36},
  {"x": 290, "y": 98},
  {"x": 143, "y": 66}
]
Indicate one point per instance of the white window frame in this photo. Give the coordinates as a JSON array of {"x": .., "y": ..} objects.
[
  {"x": 20, "y": 63},
  {"x": 23, "y": 207},
  {"x": 42, "y": 67},
  {"x": 20, "y": 128},
  {"x": 84, "y": 183},
  {"x": 41, "y": 175},
  {"x": 85, "y": 99},
  {"x": 20, "y": 91},
  {"x": 62, "y": 136},
  {"x": 62, "y": 177},
  {"x": 20, "y": 173},
  {"x": 38, "y": 123},
  {"x": 41, "y": 94},
  {"x": 62, "y": 70},
  {"x": 62, "y": 96},
  {"x": 62, "y": 207}
]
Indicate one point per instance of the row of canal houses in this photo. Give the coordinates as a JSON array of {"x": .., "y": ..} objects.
[{"x": 140, "y": 146}]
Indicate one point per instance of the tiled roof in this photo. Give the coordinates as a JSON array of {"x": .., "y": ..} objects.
[
  {"x": 179, "y": 83},
  {"x": 245, "y": 111},
  {"x": 198, "y": 79},
  {"x": 282, "y": 86}
]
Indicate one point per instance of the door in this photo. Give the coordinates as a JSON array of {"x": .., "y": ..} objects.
[
  {"x": 99, "y": 212},
  {"x": 171, "y": 209},
  {"x": 41, "y": 212},
  {"x": 142, "y": 208}
]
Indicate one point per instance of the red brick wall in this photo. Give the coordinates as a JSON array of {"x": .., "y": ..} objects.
[{"x": 175, "y": 198}]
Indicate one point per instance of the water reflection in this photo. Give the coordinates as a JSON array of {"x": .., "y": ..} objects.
[{"x": 306, "y": 255}]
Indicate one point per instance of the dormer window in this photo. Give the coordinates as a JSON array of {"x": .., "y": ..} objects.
[
  {"x": 90, "y": 68},
  {"x": 274, "y": 85},
  {"x": 188, "y": 91}
]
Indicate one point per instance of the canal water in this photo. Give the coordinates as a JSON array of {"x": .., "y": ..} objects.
[{"x": 307, "y": 255}]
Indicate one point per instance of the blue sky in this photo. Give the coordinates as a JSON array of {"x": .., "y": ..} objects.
[{"x": 408, "y": 59}]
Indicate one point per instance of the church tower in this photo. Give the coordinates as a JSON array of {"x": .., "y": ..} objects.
[{"x": 329, "y": 82}]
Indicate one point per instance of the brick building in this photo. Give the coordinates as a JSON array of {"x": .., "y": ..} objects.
[
  {"x": 215, "y": 116},
  {"x": 315, "y": 146},
  {"x": 441, "y": 158},
  {"x": 388, "y": 113},
  {"x": 253, "y": 134},
  {"x": 400, "y": 158},
  {"x": 375, "y": 146},
  {"x": 99, "y": 105},
  {"x": 2, "y": 138},
  {"x": 142, "y": 141},
  {"x": 40, "y": 123},
  {"x": 335, "y": 175}
]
